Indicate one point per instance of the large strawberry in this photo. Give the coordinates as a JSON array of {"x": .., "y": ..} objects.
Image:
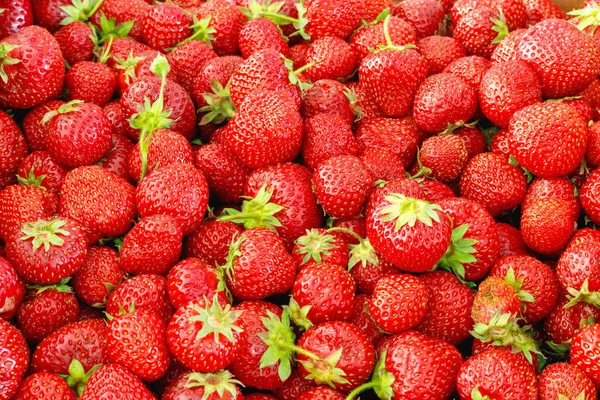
[
  {"x": 14, "y": 358},
  {"x": 75, "y": 41},
  {"x": 426, "y": 16},
  {"x": 566, "y": 380},
  {"x": 326, "y": 136},
  {"x": 32, "y": 68},
  {"x": 115, "y": 382},
  {"x": 261, "y": 33},
  {"x": 330, "y": 58},
  {"x": 223, "y": 21}
]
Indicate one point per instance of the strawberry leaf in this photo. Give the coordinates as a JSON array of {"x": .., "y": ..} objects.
[
  {"x": 45, "y": 233},
  {"x": 279, "y": 337},
  {"x": 257, "y": 212},
  {"x": 408, "y": 211},
  {"x": 364, "y": 253},
  {"x": 217, "y": 382}
]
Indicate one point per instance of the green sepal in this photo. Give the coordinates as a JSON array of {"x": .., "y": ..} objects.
[
  {"x": 301, "y": 21},
  {"x": 460, "y": 252},
  {"x": 217, "y": 382},
  {"x": 408, "y": 211},
  {"x": 267, "y": 10},
  {"x": 257, "y": 212},
  {"x": 293, "y": 74},
  {"x": 45, "y": 233},
  {"x": 583, "y": 295},
  {"x": 219, "y": 106},
  {"x": 226, "y": 270},
  {"x": 128, "y": 66},
  {"x": 67, "y": 108},
  {"x": 80, "y": 10},
  {"x": 280, "y": 338},
  {"x": 580, "y": 396},
  {"x": 499, "y": 27},
  {"x": 453, "y": 127},
  {"x": 558, "y": 351},
  {"x": 586, "y": 17},
  {"x": 202, "y": 32},
  {"x": 524, "y": 296},
  {"x": 110, "y": 29},
  {"x": 77, "y": 378},
  {"x": 299, "y": 315},
  {"x": 61, "y": 287},
  {"x": 331, "y": 374},
  {"x": 354, "y": 104},
  {"x": 5, "y": 59},
  {"x": 476, "y": 395},
  {"x": 32, "y": 179},
  {"x": 216, "y": 320},
  {"x": 313, "y": 245},
  {"x": 513, "y": 161},
  {"x": 363, "y": 253}
]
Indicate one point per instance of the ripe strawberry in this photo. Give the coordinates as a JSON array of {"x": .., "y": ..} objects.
[
  {"x": 78, "y": 134},
  {"x": 44, "y": 385},
  {"x": 511, "y": 376},
  {"x": 143, "y": 292},
  {"x": 13, "y": 291},
  {"x": 16, "y": 16},
  {"x": 480, "y": 30},
  {"x": 210, "y": 241},
  {"x": 361, "y": 102},
  {"x": 347, "y": 356},
  {"x": 425, "y": 16},
  {"x": 448, "y": 315},
  {"x": 189, "y": 195},
  {"x": 434, "y": 191},
  {"x": 566, "y": 380},
  {"x": 164, "y": 25},
  {"x": 97, "y": 277},
  {"x": 217, "y": 69},
  {"x": 100, "y": 201},
  {"x": 361, "y": 318},
  {"x": 294, "y": 386},
  {"x": 326, "y": 136},
  {"x": 39, "y": 169},
  {"x": 15, "y": 358},
  {"x": 539, "y": 10},
  {"x": 383, "y": 164},
  {"x": 84, "y": 341},
  {"x": 584, "y": 352},
  {"x": 15, "y": 145},
  {"x": 226, "y": 20},
  {"x": 510, "y": 240},
  {"x": 47, "y": 251},
  {"x": 321, "y": 393},
  {"x": 46, "y": 309},
  {"x": 123, "y": 11},
  {"x": 494, "y": 296},
  {"x": 75, "y": 41},
  {"x": 259, "y": 34},
  {"x": 327, "y": 96},
  {"x": 588, "y": 196},
  {"x": 396, "y": 214},
  {"x": 91, "y": 82},
  {"x": 443, "y": 157},
  {"x": 563, "y": 322},
  {"x": 34, "y": 130},
  {"x": 440, "y": 51},
  {"x": 331, "y": 18},
  {"x": 513, "y": 11},
  {"x": 320, "y": 246},
  {"x": 337, "y": 287},
  {"x": 217, "y": 386},
  {"x": 258, "y": 265},
  {"x": 187, "y": 59},
  {"x": 552, "y": 188},
  {"x": 547, "y": 225},
  {"x": 491, "y": 181},
  {"x": 115, "y": 160},
  {"x": 32, "y": 68},
  {"x": 331, "y": 58},
  {"x": 115, "y": 382},
  {"x": 400, "y": 136},
  {"x": 191, "y": 280},
  {"x": 505, "y": 50},
  {"x": 205, "y": 335}
]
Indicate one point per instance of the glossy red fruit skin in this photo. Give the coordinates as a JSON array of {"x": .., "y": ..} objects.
[
  {"x": 563, "y": 322},
  {"x": 100, "y": 201},
  {"x": 510, "y": 240},
  {"x": 585, "y": 353},
  {"x": 331, "y": 18},
  {"x": 424, "y": 15},
  {"x": 400, "y": 136},
  {"x": 17, "y": 15},
  {"x": 116, "y": 159},
  {"x": 20, "y": 204},
  {"x": 91, "y": 82},
  {"x": 321, "y": 393},
  {"x": 333, "y": 59},
  {"x": 44, "y": 168},
  {"x": 12, "y": 292},
  {"x": 227, "y": 19},
  {"x": 191, "y": 280},
  {"x": 358, "y": 355},
  {"x": 564, "y": 379},
  {"x": 383, "y": 164},
  {"x": 32, "y": 126},
  {"x": 440, "y": 51},
  {"x": 294, "y": 386},
  {"x": 15, "y": 358},
  {"x": 589, "y": 196},
  {"x": 391, "y": 78},
  {"x": 371, "y": 36},
  {"x": 14, "y": 144},
  {"x": 165, "y": 25},
  {"x": 326, "y": 136},
  {"x": 261, "y": 33},
  {"x": 187, "y": 59},
  {"x": 445, "y": 156},
  {"x": 42, "y": 384},
  {"x": 327, "y": 96},
  {"x": 328, "y": 289},
  {"x": 123, "y": 11},
  {"x": 552, "y": 188},
  {"x": 579, "y": 261},
  {"x": 113, "y": 380},
  {"x": 75, "y": 42},
  {"x": 547, "y": 225},
  {"x": 182, "y": 388},
  {"x": 448, "y": 315},
  {"x": 362, "y": 319},
  {"x": 84, "y": 341},
  {"x": 100, "y": 269},
  {"x": 210, "y": 241}
]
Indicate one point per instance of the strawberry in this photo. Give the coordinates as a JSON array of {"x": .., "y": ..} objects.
[
  {"x": 400, "y": 136},
  {"x": 494, "y": 296},
  {"x": 584, "y": 352},
  {"x": 321, "y": 246},
  {"x": 39, "y": 169},
  {"x": 342, "y": 184},
  {"x": 78, "y": 134},
  {"x": 326, "y": 136},
  {"x": 122, "y": 12},
  {"x": 448, "y": 315},
  {"x": 588, "y": 196},
  {"x": 116, "y": 382},
  {"x": 189, "y": 195},
  {"x": 32, "y": 68},
  {"x": 383, "y": 164},
  {"x": 592, "y": 95},
  {"x": 116, "y": 159},
  {"x": 335, "y": 301},
  {"x": 505, "y": 50},
  {"x": 48, "y": 13},
  {"x": 119, "y": 124},
  {"x": 331, "y": 18},
  {"x": 258, "y": 265},
  {"x": 563, "y": 322},
  {"x": 440, "y": 51},
  {"x": 47, "y": 251},
  {"x": 15, "y": 358},
  {"x": 443, "y": 157},
  {"x": 225, "y": 20},
  {"x": 552, "y": 188},
  {"x": 84, "y": 341},
  {"x": 261, "y": 33},
  {"x": 191, "y": 280},
  {"x": 539, "y": 10},
  {"x": 513, "y": 11},
  {"x": 321, "y": 393},
  {"x": 507, "y": 87},
  {"x": 44, "y": 385},
  {"x": 471, "y": 69},
  {"x": 13, "y": 291},
  {"x": 32, "y": 126},
  {"x": 566, "y": 380},
  {"x": 511, "y": 376},
  {"x": 330, "y": 58},
  {"x": 99, "y": 274},
  {"x": 491, "y": 181},
  {"x": 210, "y": 241},
  {"x": 536, "y": 47},
  {"x": 435, "y": 191},
  {"x": 327, "y": 96},
  {"x": 46, "y": 309},
  {"x": 16, "y": 16},
  {"x": 100, "y": 201},
  {"x": 217, "y": 69},
  {"x": 361, "y": 318},
  {"x": 142, "y": 292},
  {"x": 510, "y": 240},
  {"x": 294, "y": 386},
  {"x": 205, "y": 335},
  {"x": 365, "y": 265},
  {"x": 164, "y": 25},
  {"x": 187, "y": 59},
  {"x": 480, "y": 30},
  {"x": 75, "y": 41},
  {"x": 425, "y": 16},
  {"x": 220, "y": 385},
  {"x": 15, "y": 144},
  {"x": 20, "y": 204},
  {"x": 396, "y": 214},
  {"x": 547, "y": 225},
  {"x": 91, "y": 82}
]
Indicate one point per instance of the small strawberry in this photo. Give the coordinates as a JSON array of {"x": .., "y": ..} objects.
[
  {"x": 191, "y": 280},
  {"x": 320, "y": 246},
  {"x": 261, "y": 33},
  {"x": 565, "y": 380},
  {"x": 116, "y": 382},
  {"x": 400, "y": 136},
  {"x": 426, "y": 16},
  {"x": 443, "y": 157},
  {"x": 210, "y": 241},
  {"x": 327, "y": 96},
  {"x": 326, "y": 136},
  {"x": 32, "y": 126},
  {"x": 164, "y": 25},
  {"x": 98, "y": 276},
  {"x": 115, "y": 160},
  {"x": 547, "y": 225},
  {"x": 75, "y": 41},
  {"x": 330, "y": 58},
  {"x": 15, "y": 358},
  {"x": 216, "y": 386},
  {"x": 440, "y": 51},
  {"x": 44, "y": 385},
  {"x": 39, "y": 169}
]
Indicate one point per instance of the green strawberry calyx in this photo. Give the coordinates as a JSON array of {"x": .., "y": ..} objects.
[
  {"x": 32, "y": 179},
  {"x": 128, "y": 66},
  {"x": 381, "y": 382},
  {"x": 299, "y": 314},
  {"x": 67, "y": 108},
  {"x": 257, "y": 212},
  {"x": 504, "y": 330},
  {"x": 109, "y": 28},
  {"x": 499, "y": 27},
  {"x": 558, "y": 351},
  {"x": 407, "y": 211},
  {"x": 45, "y": 233},
  {"x": 216, "y": 320},
  {"x": 587, "y": 17},
  {"x": 217, "y": 382},
  {"x": 152, "y": 116},
  {"x": 61, "y": 287},
  {"x": 325, "y": 371},
  {"x": 583, "y": 295},
  {"x": 219, "y": 106},
  {"x": 459, "y": 252},
  {"x": 524, "y": 296},
  {"x": 354, "y": 104},
  {"x": 5, "y": 59},
  {"x": 361, "y": 252},
  {"x": 294, "y": 75},
  {"x": 202, "y": 32},
  {"x": 476, "y": 395},
  {"x": 314, "y": 245},
  {"x": 280, "y": 338},
  {"x": 77, "y": 377},
  {"x": 272, "y": 12},
  {"x": 80, "y": 10}
]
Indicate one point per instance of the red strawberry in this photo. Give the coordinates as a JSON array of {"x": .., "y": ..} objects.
[
  {"x": 188, "y": 200},
  {"x": 192, "y": 280},
  {"x": 15, "y": 145},
  {"x": 116, "y": 382},
  {"x": 115, "y": 160},
  {"x": 366, "y": 266},
  {"x": 448, "y": 315},
  {"x": 13, "y": 291},
  {"x": 326, "y": 136},
  {"x": 584, "y": 352},
  {"x": 567, "y": 380},
  {"x": 217, "y": 386},
  {"x": 471, "y": 69},
  {"x": 114, "y": 113},
  {"x": 321, "y": 393},
  {"x": 511, "y": 376},
  {"x": 331, "y": 18},
  {"x": 210, "y": 241},
  {"x": 547, "y": 225},
  {"x": 44, "y": 385},
  {"x": 510, "y": 240},
  {"x": 538, "y": 10},
  {"x": 99, "y": 275},
  {"x": 102, "y": 202},
  {"x": 205, "y": 335},
  {"x": 331, "y": 58},
  {"x": 91, "y": 82},
  {"x": 258, "y": 265},
  {"x": 494, "y": 296},
  {"x": 46, "y": 309},
  {"x": 589, "y": 196},
  {"x": 39, "y": 169},
  {"x": 123, "y": 11},
  {"x": 361, "y": 318},
  {"x": 443, "y": 157},
  {"x": 226, "y": 20},
  {"x": 383, "y": 164},
  {"x": 320, "y": 246},
  {"x": 75, "y": 41},
  {"x": 164, "y": 25},
  {"x": 327, "y": 96},
  {"x": 187, "y": 59},
  {"x": 563, "y": 322},
  {"x": 400, "y": 136},
  {"x": 32, "y": 68},
  {"x": 15, "y": 358},
  {"x": 34, "y": 130},
  {"x": 440, "y": 51},
  {"x": 259, "y": 34},
  {"x": 507, "y": 87},
  {"x": 47, "y": 251},
  {"x": 434, "y": 190},
  {"x": 425, "y": 15},
  {"x": 217, "y": 69},
  {"x": 294, "y": 386},
  {"x": 16, "y": 16}
]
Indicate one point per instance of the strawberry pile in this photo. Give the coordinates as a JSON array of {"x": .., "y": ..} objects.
[{"x": 313, "y": 199}]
